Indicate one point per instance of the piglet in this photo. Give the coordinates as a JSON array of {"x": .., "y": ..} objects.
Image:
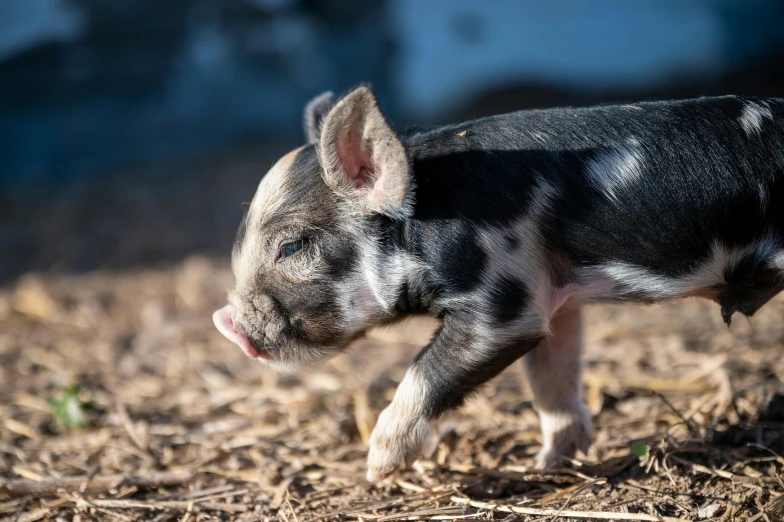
[{"x": 502, "y": 228}]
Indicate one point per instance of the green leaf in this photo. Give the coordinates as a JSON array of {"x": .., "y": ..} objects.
[
  {"x": 70, "y": 411},
  {"x": 642, "y": 450}
]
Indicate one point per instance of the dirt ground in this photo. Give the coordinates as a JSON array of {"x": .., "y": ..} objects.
[{"x": 689, "y": 416}]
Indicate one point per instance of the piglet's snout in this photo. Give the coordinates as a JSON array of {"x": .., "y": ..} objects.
[{"x": 226, "y": 322}]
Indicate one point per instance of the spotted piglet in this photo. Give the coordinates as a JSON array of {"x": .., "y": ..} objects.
[{"x": 502, "y": 228}]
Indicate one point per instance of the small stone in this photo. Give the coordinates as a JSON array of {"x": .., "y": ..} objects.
[{"x": 708, "y": 511}]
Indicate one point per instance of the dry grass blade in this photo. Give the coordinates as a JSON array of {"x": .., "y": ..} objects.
[
  {"x": 168, "y": 504},
  {"x": 775, "y": 455},
  {"x": 378, "y": 506},
  {"x": 722, "y": 473},
  {"x": 217, "y": 491},
  {"x": 130, "y": 428},
  {"x": 492, "y": 473},
  {"x": 32, "y": 516},
  {"x": 774, "y": 507},
  {"x": 51, "y": 486},
  {"x": 571, "y": 491},
  {"x": 362, "y": 415},
  {"x": 13, "y": 505},
  {"x": 20, "y": 428},
  {"x": 432, "y": 512},
  {"x": 564, "y": 513}
]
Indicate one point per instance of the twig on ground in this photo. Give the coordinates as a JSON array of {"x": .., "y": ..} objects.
[
  {"x": 167, "y": 504},
  {"x": 778, "y": 457},
  {"x": 571, "y": 491},
  {"x": 50, "y": 486},
  {"x": 32, "y": 516},
  {"x": 222, "y": 491},
  {"x": 688, "y": 422},
  {"x": 583, "y": 487}
]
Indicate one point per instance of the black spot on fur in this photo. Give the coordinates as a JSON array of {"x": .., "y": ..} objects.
[
  {"x": 511, "y": 241},
  {"x": 509, "y": 299},
  {"x": 341, "y": 258},
  {"x": 451, "y": 248},
  {"x": 389, "y": 233}
]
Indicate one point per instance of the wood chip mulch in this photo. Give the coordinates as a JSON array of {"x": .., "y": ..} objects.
[{"x": 689, "y": 416}]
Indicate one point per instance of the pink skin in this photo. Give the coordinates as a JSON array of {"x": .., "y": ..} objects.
[{"x": 226, "y": 322}]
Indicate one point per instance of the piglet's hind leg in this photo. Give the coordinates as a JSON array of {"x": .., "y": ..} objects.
[{"x": 554, "y": 370}]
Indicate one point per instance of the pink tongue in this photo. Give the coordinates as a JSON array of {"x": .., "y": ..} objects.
[{"x": 224, "y": 322}]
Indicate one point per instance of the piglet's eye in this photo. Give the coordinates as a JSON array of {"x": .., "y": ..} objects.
[{"x": 291, "y": 248}]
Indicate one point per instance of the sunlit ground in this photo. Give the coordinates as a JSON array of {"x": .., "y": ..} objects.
[{"x": 183, "y": 424}]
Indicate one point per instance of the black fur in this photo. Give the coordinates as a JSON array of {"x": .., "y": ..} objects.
[
  {"x": 450, "y": 245},
  {"x": 442, "y": 365},
  {"x": 315, "y": 112},
  {"x": 509, "y": 299},
  {"x": 700, "y": 179}
]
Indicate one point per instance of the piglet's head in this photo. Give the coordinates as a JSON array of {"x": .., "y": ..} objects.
[{"x": 307, "y": 259}]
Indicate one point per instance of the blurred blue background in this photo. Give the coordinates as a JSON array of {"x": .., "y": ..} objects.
[{"x": 131, "y": 130}]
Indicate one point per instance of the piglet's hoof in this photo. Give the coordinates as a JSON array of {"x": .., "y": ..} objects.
[
  {"x": 563, "y": 435},
  {"x": 395, "y": 443},
  {"x": 382, "y": 463}
]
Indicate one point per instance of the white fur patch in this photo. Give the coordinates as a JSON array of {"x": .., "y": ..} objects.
[
  {"x": 273, "y": 192},
  {"x": 709, "y": 273},
  {"x": 614, "y": 169},
  {"x": 564, "y": 433},
  {"x": 642, "y": 280},
  {"x": 752, "y": 116},
  {"x": 524, "y": 263},
  {"x": 370, "y": 293},
  {"x": 401, "y": 429},
  {"x": 778, "y": 260}
]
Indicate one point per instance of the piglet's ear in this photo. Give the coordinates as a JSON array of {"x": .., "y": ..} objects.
[
  {"x": 363, "y": 158},
  {"x": 315, "y": 112}
]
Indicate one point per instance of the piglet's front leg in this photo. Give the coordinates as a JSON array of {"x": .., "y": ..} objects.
[
  {"x": 401, "y": 429},
  {"x": 442, "y": 375}
]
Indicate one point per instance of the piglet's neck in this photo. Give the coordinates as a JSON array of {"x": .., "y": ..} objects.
[{"x": 401, "y": 264}]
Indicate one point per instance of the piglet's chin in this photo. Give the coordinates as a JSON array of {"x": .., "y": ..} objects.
[{"x": 226, "y": 323}]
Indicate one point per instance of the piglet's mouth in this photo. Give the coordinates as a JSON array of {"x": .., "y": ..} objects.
[{"x": 226, "y": 322}]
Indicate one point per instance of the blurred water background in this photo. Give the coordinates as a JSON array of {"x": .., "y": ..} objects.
[{"x": 131, "y": 130}]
